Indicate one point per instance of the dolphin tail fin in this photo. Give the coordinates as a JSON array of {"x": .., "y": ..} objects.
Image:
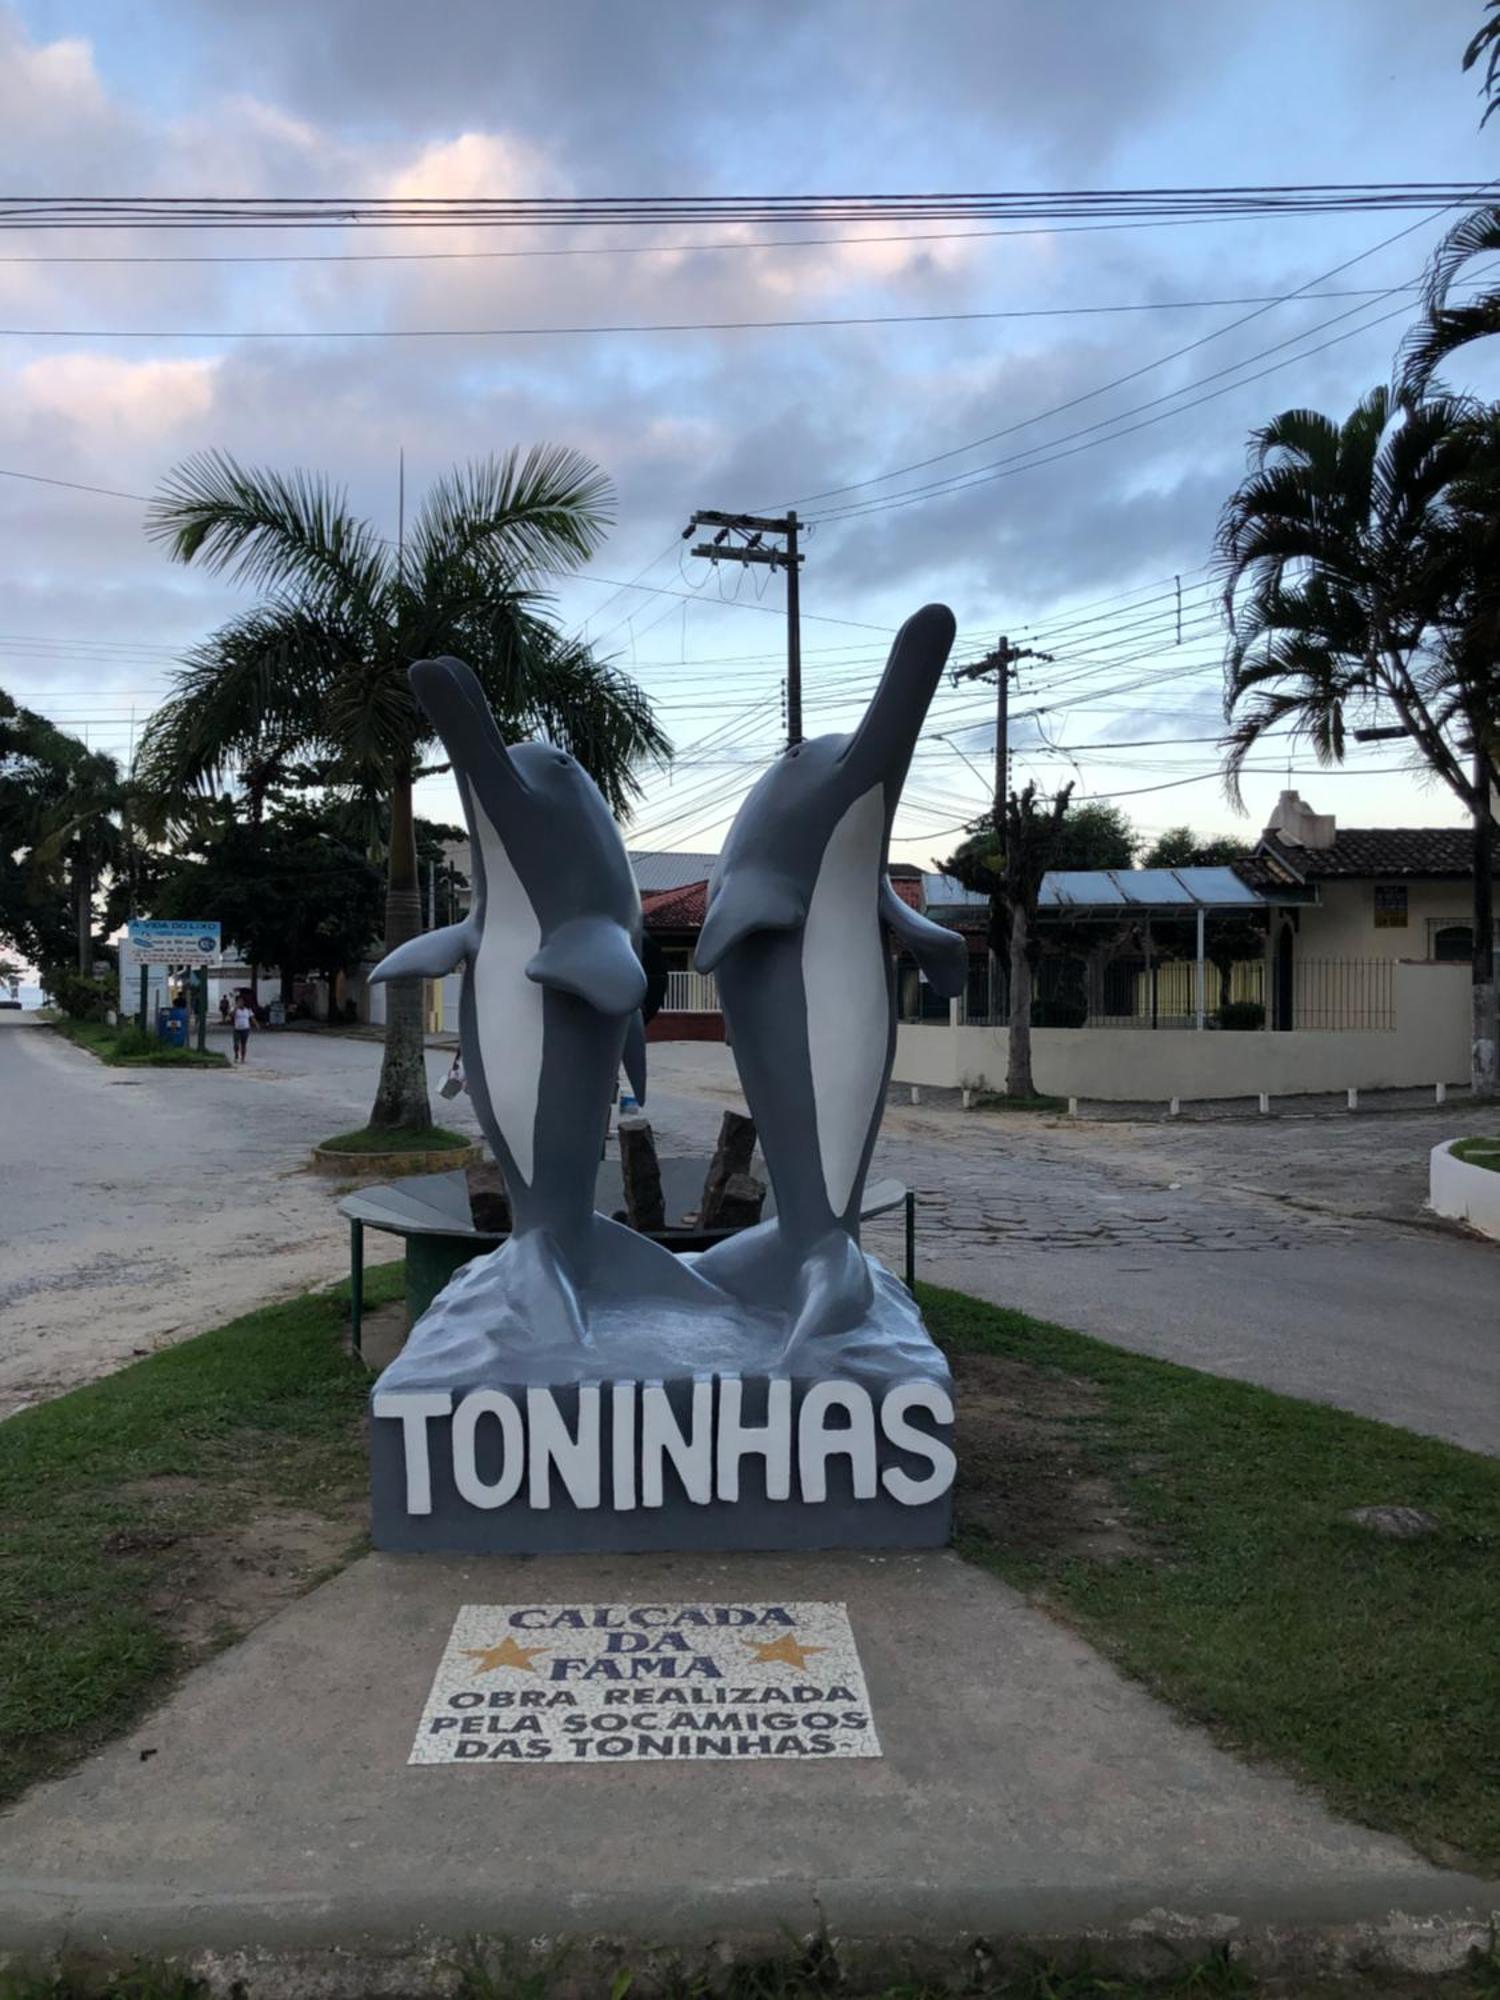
[
  {"x": 635, "y": 1056},
  {"x": 834, "y": 1289},
  {"x": 542, "y": 1288},
  {"x": 942, "y": 954},
  {"x": 627, "y": 1265},
  {"x": 430, "y": 955}
]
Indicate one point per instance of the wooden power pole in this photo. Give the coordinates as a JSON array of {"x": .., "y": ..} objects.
[
  {"x": 756, "y": 549},
  {"x": 1002, "y": 663}
]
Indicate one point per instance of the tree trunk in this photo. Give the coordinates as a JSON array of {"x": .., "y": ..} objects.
[
  {"x": 1486, "y": 1030},
  {"x": 83, "y": 899},
  {"x": 1018, "y": 1076},
  {"x": 402, "y": 1096}
]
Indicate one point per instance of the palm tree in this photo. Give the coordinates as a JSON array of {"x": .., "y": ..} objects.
[
  {"x": 318, "y": 669},
  {"x": 1352, "y": 594}
]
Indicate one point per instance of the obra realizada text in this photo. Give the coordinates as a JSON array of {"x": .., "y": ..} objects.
[{"x": 537, "y": 1444}]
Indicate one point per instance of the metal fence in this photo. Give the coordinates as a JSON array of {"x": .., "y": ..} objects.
[
  {"x": 691, "y": 993},
  {"x": 1126, "y": 992}
]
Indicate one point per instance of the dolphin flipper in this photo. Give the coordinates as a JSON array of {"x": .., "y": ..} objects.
[
  {"x": 430, "y": 955},
  {"x": 593, "y": 958},
  {"x": 751, "y": 899},
  {"x": 635, "y": 1055},
  {"x": 942, "y": 954}
]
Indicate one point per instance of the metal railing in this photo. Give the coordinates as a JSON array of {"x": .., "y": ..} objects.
[
  {"x": 1328, "y": 994},
  {"x": 691, "y": 993}
]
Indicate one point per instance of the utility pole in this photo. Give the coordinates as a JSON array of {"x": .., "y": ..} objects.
[
  {"x": 1002, "y": 663},
  {"x": 755, "y": 549}
]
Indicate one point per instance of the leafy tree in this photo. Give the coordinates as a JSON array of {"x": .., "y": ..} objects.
[
  {"x": 1010, "y": 870},
  {"x": 1354, "y": 591},
  {"x": 294, "y": 891},
  {"x": 319, "y": 668},
  {"x": 62, "y": 813},
  {"x": 1180, "y": 847},
  {"x": 1094, "y": 835}
]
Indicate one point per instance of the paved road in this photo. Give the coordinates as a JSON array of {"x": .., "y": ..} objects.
[
  {"x": 152, "y": 1204},
  {"x": 141, "y": 1206},
  {"x": 1195, "y": 1242}
]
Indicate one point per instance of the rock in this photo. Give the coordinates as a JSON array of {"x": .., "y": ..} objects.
[
  {"x": 1401, "y": 1524},
  {"x": 641, "y": 1173},
  {"x": 740, "y": 1202},
  {"x": 489, "y": 1204},
  {"x": 732, "y": 1156}
]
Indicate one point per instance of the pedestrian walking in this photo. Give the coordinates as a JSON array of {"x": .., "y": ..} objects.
[{"x": 244, "y": 1020}]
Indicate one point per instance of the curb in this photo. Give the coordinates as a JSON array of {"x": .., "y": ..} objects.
[
  {"x": 996, "y": 1933},
  {"x": 376, "y": 1166}
]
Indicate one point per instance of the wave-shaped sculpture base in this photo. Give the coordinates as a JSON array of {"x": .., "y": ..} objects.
[{"x": 679, "y": 1421}]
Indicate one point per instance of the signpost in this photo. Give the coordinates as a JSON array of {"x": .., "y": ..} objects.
[{"x": 192, "y": 942}]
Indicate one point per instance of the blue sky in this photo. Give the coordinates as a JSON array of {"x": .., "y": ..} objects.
[{"x": 1079, "y": 554}]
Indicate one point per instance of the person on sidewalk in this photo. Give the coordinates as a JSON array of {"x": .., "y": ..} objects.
[{"x": 244, "y": 1020}]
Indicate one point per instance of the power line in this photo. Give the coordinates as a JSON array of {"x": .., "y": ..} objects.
[
  {"x": 178, "y": 212},
  {"x": 636, "y": 327},
  {"x": 1120, "y": 381}
]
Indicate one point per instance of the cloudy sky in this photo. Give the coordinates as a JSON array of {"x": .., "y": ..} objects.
[{"x": 1109, "y": 439}]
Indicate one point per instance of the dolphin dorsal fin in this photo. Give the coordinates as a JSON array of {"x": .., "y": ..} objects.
[
  {"x": 748, "y": 900},
  {"x": 428, "y": 956},
  {"x": 593, "y": 959}
]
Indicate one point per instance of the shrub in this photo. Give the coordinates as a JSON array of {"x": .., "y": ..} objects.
[
  {"x": 1060, "y": 1012},
  {"x": 1242, "y": 1014},
  {"x": 81, "y": 999}
]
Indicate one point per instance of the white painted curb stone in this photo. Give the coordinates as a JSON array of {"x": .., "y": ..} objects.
[{"x": 1467, "y": 1194}]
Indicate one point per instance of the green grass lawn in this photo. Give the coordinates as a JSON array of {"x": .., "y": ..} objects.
[
  {"x": 121, "y": 1502},
  {"x": 1194, "y": 1529},
  {"x": 396, "y": 1139},
  {"x": 131, "y": 1047},
  {"x": 1231, "y": 1582},
  {"x": 1479, "y": 1153}
]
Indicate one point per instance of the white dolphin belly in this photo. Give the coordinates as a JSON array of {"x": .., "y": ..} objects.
[
  {"x": 844, "y": 978},
  {"x": 508, "y": 1007}
]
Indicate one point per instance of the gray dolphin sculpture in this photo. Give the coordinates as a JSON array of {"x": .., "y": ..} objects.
[
  {"x": 552, "y": 990},
  {"x": 799, "y": 908}
]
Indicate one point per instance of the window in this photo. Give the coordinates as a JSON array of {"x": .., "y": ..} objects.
[
  {"x": 1452, "y": 944},
  {"x": 1390, "y": 906}
]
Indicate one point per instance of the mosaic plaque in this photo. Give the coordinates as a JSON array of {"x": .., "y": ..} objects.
[{"x": 625, "y": 1683}]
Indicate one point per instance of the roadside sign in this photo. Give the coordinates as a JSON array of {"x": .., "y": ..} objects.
[{"x": 165, "y": 941}]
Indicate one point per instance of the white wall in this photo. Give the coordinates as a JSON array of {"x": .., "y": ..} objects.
[
  {"x": 1342, "y": 923},
  {"x": 1429, "y": 1044}
]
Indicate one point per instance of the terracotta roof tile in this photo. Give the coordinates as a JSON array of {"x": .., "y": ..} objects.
[
  {"x": 1380, "y": 850},
  {"x": 676, "y": 909}
]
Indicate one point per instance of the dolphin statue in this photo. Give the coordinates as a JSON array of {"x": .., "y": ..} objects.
[
  {"x": 552, "y": 992},
  {"x": 800, "y": 911}
]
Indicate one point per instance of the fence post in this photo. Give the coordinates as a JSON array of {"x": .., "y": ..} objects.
[
  {"x": 1440, "y": 1093},
  {"x": 916, "y": 1095},
  {"x": 1072, "y": 1107},
  {"x": 1174, "y": 1107},
  {"x": 1353, "y": 1099},
  {"x": 1265, "y": 1104}
]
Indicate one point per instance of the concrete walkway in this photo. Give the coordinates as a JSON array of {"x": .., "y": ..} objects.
[{"x": 1026, "y": 1790}]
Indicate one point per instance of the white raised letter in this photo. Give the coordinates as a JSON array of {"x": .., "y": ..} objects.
[
  {"x": 622, "y": 1444},
  {"x": 549, "y": 1444},
  {"x": 413, "y": 1408},
  {"x": 661, "y": 1437},
  {"x": 816, "y": 1443},
  {"x": 771, "y": 1441},
  {"x": 939, "y": 1405},
  {"x": 488, "y": 1403}
]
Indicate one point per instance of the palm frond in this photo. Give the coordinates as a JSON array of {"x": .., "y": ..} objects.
[
  {"x": 276, "y": 531},
  {"x": 511, "y": 517}
]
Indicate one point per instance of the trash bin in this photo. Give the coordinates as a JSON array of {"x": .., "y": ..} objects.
[{"x": 172, "y": 1026}]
